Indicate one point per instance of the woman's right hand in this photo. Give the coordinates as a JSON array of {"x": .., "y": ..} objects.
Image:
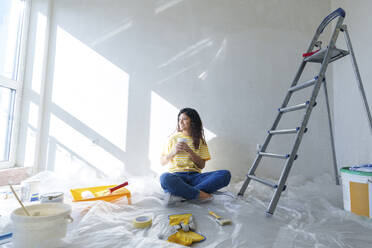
[{"x": 178, "y": 148}]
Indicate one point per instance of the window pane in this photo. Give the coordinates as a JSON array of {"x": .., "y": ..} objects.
[
  {"x": 11, "y": 19},
  {"x": 6, "y": 120}
]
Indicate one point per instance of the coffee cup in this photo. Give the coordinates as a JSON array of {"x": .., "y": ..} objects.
[{"x": 181, "y": 140}]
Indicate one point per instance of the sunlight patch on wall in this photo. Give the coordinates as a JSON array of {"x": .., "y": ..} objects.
[
  {"x": 32, "y": 125},
  {"x": 90, "y": 88},
  {"x": 74, "y": 167},
  {"x": 37, "y": 72},
  {"x": 188, "y": 52},
  {"x": 70, "y": 152},
  {"x": 211, "y": 65},
  {"x": 164, "y": 5},
  {"x": 178, "y": 73},
  {"x": 208, "y": 134},
  {"x": 203, "y": 75},
  {"x": 33, "y": 115},
  {"x": 124, "y": 25},
  {"x": 163, "y": 123},
  {"x": 30, "y": 145}
]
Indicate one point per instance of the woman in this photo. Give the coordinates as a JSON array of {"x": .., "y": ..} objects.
[{"x": 187, "y": 153}]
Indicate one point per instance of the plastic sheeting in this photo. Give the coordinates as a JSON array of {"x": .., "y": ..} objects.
[{"x": 309, "y": 214}]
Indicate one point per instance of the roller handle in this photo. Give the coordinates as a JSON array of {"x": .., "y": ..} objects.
[
  {"x": 338, "y": 12},
  {"x": 118, "y": 187},
  {"x": 214, "y": 215},
  {"x": 20, "y": 202}
]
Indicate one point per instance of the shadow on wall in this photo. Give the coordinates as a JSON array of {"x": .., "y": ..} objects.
[{"x": 114, "y": 84}]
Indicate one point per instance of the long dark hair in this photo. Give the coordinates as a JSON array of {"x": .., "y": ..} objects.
[{"x": 196, "y": 126}]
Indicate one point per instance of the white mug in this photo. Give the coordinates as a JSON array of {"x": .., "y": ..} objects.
[{"x": 181, "y": 140}]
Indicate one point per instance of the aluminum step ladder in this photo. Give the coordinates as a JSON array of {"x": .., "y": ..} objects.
[{"x": 323, "y": 56}]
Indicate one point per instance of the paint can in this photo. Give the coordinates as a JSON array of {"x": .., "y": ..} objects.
[
  {"x": 357, "y": 191},
  {"x": 44, "y": 228},
  {"x": 52, "y": 197}
]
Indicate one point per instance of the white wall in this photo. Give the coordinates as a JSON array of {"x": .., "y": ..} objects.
[
  {"x": 118, "y": 72},
  {"x": 352, "y": 131}
]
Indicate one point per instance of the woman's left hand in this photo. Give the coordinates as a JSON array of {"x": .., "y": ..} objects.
[
  {"x": 194, "y": 157},
  {"x": 185, "y": 147}
]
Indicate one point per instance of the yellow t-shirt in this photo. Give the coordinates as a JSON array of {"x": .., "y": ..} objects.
[{"x": 182, "y": 161}]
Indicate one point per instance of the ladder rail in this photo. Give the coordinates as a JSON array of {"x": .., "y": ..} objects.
[
  {"x": 288, "y": 165},
  {"x": 335, "y": 167},
  {"x": 258, "y": 158},
  {"x": 328, "y": 55},
  {"x": 357, "y": 75},
  {"x": 338, "y": 12}
]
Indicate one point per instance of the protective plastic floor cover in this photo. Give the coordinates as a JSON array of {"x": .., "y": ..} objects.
[{"x": 309, "y": 214}]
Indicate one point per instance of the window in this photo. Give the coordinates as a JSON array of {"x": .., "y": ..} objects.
[{"x": 12, "y": 14}]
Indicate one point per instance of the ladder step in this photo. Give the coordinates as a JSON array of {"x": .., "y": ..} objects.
[
  {"x": 319, "y": 56},
  {"x": 263, "y": 181},
  {"x": 266, "y": 182},
  {"x": 283, "y": 156},
  {"x": 294, "y": 107},
  {"x": 303, "y": 85},
  {"x": 284, "y": 131}
]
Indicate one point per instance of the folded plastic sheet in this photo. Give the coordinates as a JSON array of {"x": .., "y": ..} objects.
[{"x": 309, "y": 214}]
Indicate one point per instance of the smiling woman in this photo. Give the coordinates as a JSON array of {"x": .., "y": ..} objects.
[{"x": 187, "y": 153}]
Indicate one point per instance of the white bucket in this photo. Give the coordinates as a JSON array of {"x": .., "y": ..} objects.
[
  {"x": 45, "y": 227},
  {"x": 357, "y": 191}
]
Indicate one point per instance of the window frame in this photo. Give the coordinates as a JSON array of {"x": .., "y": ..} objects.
[{"x": 17, "y": 85}]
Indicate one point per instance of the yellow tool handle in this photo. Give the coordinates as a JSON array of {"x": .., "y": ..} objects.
[{"x": 214, "y": 215}]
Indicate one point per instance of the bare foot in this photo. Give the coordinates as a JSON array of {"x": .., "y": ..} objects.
[{"x": 203, "y": 195}]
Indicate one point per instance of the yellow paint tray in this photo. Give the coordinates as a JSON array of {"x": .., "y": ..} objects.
[{"x": 76, "y": 194}]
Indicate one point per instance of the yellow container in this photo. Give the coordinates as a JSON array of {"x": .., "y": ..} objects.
[
  {"x": 76, "y": 194},
  {"x": 357, "y": 191}
]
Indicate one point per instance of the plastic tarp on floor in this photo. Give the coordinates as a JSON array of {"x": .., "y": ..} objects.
[{"x": 309, "y": 214}]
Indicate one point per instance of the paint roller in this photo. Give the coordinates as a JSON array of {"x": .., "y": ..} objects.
[
  {"x": 109, "y": 191},
  {"x": 219, "y": 219}
]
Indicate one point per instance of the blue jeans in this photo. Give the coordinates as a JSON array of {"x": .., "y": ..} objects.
[{"x": 189, "y": 184}]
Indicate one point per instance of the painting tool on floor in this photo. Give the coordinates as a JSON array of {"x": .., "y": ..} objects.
[
  {"x": 219, "y": 219},
  {"x": 90, "y": 194},
  {"x": 20, "y": 202},
  {"x": 110, "y": 190},
  {"x": 5, "y": 238}
]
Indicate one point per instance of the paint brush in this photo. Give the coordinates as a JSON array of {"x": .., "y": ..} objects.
[
  {"x": 219, "y": 219},
  {"x": 20, "y": 202},
  {"x": 109, "y": 191}
]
